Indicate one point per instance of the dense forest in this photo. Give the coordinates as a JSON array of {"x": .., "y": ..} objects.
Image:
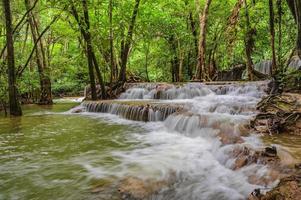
[
  {"x": 58, "y": 47},
  {"x": 150, "y": 99}
]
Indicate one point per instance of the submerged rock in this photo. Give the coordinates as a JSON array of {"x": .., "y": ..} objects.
[
  {"x": 247, "y": 156},
  {"x": 288, "y": 189},
  {"x": 133, "y": 188}
]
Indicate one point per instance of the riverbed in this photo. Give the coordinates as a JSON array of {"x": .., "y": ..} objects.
[{"x": 53, "y": 153}]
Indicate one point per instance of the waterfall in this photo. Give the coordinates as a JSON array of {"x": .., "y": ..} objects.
[
  {"x": 192, "y": 142},
  {"x": 190, "y": 90},
  {"x": 264, "y": 67},
  {"x": 142, "y": 112},
  {"x": 295, "y": 63}
]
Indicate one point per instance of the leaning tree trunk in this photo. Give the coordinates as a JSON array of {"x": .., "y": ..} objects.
[
  {"x": 201, "y": 72},
  {"x": 272, "y": 32},
  {"x": 42, "y": 64},
  {"x": 127, "y": 45},
  {"x": 295, "y": 7},
  {"x": 14, "y": 105}
]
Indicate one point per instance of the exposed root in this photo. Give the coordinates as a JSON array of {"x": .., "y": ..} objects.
[{"x": 279, "y": 114}]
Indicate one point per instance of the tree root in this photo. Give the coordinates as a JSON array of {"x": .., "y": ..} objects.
[{"x": 278, "y": 114}]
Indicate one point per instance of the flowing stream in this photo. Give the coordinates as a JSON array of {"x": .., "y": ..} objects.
[{"x": 53, "y": 153}]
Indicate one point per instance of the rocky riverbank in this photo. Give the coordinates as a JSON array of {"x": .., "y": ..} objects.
[{"x": 279, "y": 115}]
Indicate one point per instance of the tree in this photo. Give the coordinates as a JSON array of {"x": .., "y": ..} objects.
[
  {"x": 249, "y": 43},
  {"x": 201, "y": 72},
  {"x": 125, "y": 49},
  {"x": 14, "y": 105},
  {"x": 272, "y": 33},
  {"x": 84, "y": 26},
  {"x": 41, "y": 59},
  {"x": 295, "y": 8},
  {"x": 112, "y": 60}
]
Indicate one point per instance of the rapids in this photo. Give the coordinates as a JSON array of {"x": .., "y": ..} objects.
[
  {"x": 90, "y": 155},
  {"x": 188, "y": 147}
]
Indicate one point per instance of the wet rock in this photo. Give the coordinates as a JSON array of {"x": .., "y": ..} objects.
[
  {"x": 288, "y": 189},
  {"x": 270, "y": 151},
  {"x": 100, "y": 185},
  {"x": 227, "y": 138},
  {"x": 235, "y": 74},
  {"x": 246, "y": 156},
  {"x": 138, "y": 189},
  {"x": 241, "y": 162},
  {"x": 77, "y": 110}
]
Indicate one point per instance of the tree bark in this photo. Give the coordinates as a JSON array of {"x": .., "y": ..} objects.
[
  {"x": 14, "y": 105},
  {"x": 181, "y": 60},
  {"x": 272, "y": 33},
  {"x": 201, "y": 72},
  {"x": 249, "y": 43},
  {"x": 174, "y": 60},
  {"x": 279, "y": 10},
  {"x": 295, "y": 7},
  {"x": 146, "y": 61},
  {"x": 112, "y": 60},
  {"x": 45, "y": 82},
  {"x": 19, "y": 25},
  {"x": 90, "y": 52},
  {"x": 127, "y": 45},
  {"x": 194, "y": 33},
  {"x": 231, "y": 31},
  {"x": 87, "y": 37}
]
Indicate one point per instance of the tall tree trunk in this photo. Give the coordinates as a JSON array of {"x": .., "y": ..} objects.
[
  {"x": 45, "y": 82},
  {"x": 249, "y": 43},
  {"x": 146, "y": 61},
  {"x": 112, "y": 60},
  {"x": 279, "y": 10},
  {"x": 174, "y": 60},
  {"x": 295, "y": 7},
  {"x": 90, "y": 51},
  {"x": 231, "y": 31},
  {"x": 14, "y": 105},
  {"x": 127, "y": 45},
  {"x": 272, "y": 32},
  {"x": 85, "y": 29},
  {"x": 194, "y": 32},
  {"x": 201, "y": 72},
  {"x": 181, "y": 60}
]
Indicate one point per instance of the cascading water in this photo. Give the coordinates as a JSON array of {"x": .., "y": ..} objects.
[{"x": 190, "y": 151}]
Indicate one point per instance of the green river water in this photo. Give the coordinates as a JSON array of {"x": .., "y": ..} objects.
[
  {"x": 50, "y": 153},
  {"x": 41, "y": 152}
]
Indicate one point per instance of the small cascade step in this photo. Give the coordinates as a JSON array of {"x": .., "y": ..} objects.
[
  {"x": 137, "y": 111},
  {"x": 168, "y": 91}
]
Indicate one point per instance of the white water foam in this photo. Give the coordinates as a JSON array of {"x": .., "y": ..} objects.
[{"x": 186, "y": 147}]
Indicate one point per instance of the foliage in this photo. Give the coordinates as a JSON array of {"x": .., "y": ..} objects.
[{"x": 152, "y": 48}]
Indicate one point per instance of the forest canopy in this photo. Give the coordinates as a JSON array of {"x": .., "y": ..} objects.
[{"x": 61, "y": 46}]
